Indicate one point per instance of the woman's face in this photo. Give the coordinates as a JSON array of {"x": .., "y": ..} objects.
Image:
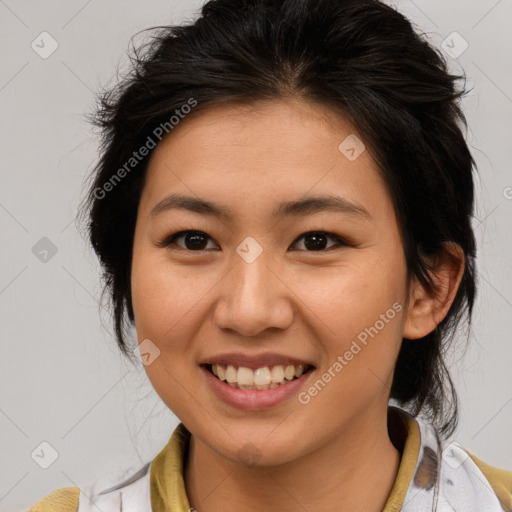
[{"x": 251, "y": 291}]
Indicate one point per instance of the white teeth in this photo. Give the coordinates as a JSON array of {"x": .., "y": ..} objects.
[
  {"x": 299, "y": 370},
  {"x": 245, "y": 376},
  {"x": 231, "y": 373},
  {"x": 277, "y": 374},
  {"x": 262, "y": 378},
  {"x": 289, "y": 372}
]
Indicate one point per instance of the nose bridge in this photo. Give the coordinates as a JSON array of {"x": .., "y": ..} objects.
[
  {"x": 252, "y": 275},
  {"x": 253, "y": 297},
  {"x": 252, "y": 269},
  {"x": 252, "y": 278}
]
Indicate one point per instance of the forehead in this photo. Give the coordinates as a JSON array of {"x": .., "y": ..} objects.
[
  {"x": 303, "y": 128},
  {"x": 254, "y": 154}
]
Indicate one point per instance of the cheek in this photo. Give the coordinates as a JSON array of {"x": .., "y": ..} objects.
[
  {"x": 159, "y": 293},
  {"x": 348, "y": 298},
  {"x": 168, "y": 301},
  {"x": 163, "y": 299},
  {"x": 359, "y": 310},
  {"x": 147, "y": 288}
]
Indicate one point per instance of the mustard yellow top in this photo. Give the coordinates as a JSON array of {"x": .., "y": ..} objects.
[{"x": 168, "y": 487}]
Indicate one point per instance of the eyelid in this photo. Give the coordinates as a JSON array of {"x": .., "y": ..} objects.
[
  {"x": 168, "y": 240},
  {"x": 341, "y": 241}
]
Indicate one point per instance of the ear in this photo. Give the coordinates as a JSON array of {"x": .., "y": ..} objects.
[{"x": 427, "y": 309}]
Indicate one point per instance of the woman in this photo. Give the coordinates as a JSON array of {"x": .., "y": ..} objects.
[{"x": 283, "y": 212}]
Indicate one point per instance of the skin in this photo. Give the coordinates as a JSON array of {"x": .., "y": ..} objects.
[{"x": 335, "y": 453}]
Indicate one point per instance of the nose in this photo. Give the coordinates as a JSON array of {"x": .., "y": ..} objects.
[{"x": 253, "y": 298}]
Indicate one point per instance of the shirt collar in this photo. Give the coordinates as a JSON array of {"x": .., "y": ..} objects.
[{"x": 168, "y": 492}]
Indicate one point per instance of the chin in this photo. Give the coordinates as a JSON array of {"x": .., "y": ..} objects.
[{"x": 257, "y": 451}]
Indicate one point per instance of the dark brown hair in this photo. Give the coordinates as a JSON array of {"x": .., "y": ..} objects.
[{"x": 360, "y": 57}]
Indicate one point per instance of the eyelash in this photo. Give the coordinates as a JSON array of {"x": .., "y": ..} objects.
[{"x": 170, "y": 240}]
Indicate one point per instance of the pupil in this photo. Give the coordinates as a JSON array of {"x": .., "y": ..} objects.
[
  {"x": 314, "y": 242},
  {"x": 319, "y": 241},
  {"x": 193, "y": 241}
]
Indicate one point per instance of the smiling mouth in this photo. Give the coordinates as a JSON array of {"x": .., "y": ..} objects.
[{"x": 266, "y": 377}]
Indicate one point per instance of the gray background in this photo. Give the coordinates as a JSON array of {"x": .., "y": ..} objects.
[{"x": 62, "y": 380}]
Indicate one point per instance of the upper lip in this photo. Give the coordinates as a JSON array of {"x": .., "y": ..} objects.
[{"x": 254, "y": 361}]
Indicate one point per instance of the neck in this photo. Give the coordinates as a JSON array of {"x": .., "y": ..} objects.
[{"x": 355, "y": 471}]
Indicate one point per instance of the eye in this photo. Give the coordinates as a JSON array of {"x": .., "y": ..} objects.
[
  {"x": 314, "y": 241},
  {"x": 194, "y": 240}
]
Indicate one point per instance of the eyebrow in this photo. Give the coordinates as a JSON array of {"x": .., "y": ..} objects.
[{"x": 301, "y": 207}]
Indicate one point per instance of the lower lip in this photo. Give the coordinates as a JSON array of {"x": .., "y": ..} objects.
[{"x": 254, "y": 399}]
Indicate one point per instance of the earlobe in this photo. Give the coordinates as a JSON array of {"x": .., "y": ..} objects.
[{"x": 427, "y": 308}]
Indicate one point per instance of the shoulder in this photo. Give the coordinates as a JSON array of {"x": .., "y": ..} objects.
[
  {"x": 467, "y": 483},
  {"x": 132, "y": 492},
  {"x": 499, "y": 479},
  {"x": 60, "y": 500}
]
